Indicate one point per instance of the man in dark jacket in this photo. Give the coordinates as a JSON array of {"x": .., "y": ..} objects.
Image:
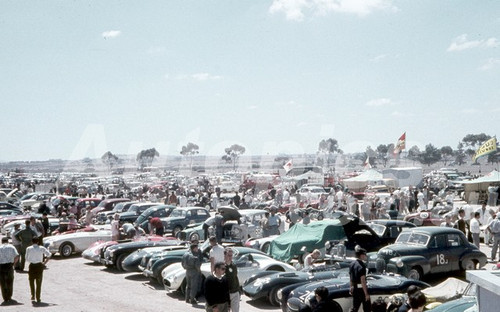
[
  {"x": 191, "y": 262},
  {"x": 25, "y": 236},
  {"x": 217, "y": 290}
]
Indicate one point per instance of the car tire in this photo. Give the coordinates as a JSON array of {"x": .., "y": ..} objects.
[
  {"x": 194, "y": 236},
  {"x": 273, "y": 297},
  {"x": 66, "y": 250},
  {"x": 415, "y": 273},
  {"x": 469, "y": 264},
  {"x": 176, "y": 231},
  {"x": 119, "y": 262}
]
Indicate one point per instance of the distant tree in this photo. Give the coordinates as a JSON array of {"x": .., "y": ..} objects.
[
  {"x": 430, "y": 155},
  {"x": 446, "y": 154},
  {"x": 384, "y": 152},
  {"x": 233, "y": 153},
  {"x": 109, "y": 159},
  {"x": 146, "y": 157},
  {"x": 414, "y": 153},
  {"x": 460, "y": 156},
  {"x": 471, "y": 142},
  {"x": 329, "y": 147},
  {"x": 190, "y": 150}
]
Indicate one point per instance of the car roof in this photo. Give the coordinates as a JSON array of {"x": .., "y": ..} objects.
[{"x": 434, "y": 230}]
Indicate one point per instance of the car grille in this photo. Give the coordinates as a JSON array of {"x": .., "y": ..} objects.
[{"x": 380, "y": 265}]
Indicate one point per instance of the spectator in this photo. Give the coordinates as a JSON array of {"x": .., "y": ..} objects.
[
  {"x": 115, "y": 227},
  {"x": 306, "y": 219},
  {"x": 37, "y": 256},
  {"x": 475, "y": 228},
  {"x": 26, "y": 238},
  {"x": 494, "y": 228},
  {"x": 191, "y": 262},
  {"x": 405, "y": 307},
  {"x": 311, "y": 258},
  {"x": 216, "y": 253},
  {"x": 8, "y": 259},
  {"x": 274, "y": 222},
  {"x": 232, "y": 280},
  {"x": 264, "y": 224},
  {"x": 217, "y": 290},
  {"x": 359, "y": 288},
  {"x": 417, "y": 302},
  {"x": 156, "y": 226},
  {"x": 323, "y": 304},
  {"x": 16, "y": 242}
]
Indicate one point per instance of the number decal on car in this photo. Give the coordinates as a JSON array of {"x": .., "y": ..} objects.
[{"x": 441, "y": 259}]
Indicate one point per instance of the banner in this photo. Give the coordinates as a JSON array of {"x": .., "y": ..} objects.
[
  {"x": 488, "y": 147},
  {"x": 288, "y": 166}
]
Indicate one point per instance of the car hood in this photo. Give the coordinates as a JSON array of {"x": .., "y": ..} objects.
[
  {"x": 230, "y": 213},
  {"x": 397, "y": 250}
]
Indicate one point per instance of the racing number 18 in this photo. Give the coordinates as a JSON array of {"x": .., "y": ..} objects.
[{"x": 441, "y": 259}]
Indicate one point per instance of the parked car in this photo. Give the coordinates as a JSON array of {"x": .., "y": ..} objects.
[
  {"x": 267, "y": 284},
  {"x": 261, "y": 244},
  {"x": 113, "y": 256},
  {"x": 134, "y": 211},
  {"x": 425, "y": 218},
  {"x": 248, "y": 261},
  {"x": 108, "y": 205},
  {"x": 420, "y": 251},
  {"x": 34, "y": 201},
  {"x": 389, "y": 230},
  {"x": 67, "y": 244},
  {"x": 159, "y": 211},
  {"x": 8, "y": 206},
  {"x": 379, "y": 285},
  {"x": 132, "y": 262},
  {"x": 179, "y": 218},
  {"x": 106, "y": 215}
]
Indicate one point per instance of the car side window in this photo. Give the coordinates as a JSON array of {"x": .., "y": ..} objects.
[
  {"x": 439, "y": 241},
  {"x": 453, "y": 240}
]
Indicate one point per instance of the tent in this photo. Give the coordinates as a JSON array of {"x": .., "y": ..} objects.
[
  {"x": 480, "y": 185},
  {"x": 360, "y": 182},
  {"x": 313, "y": 235}
]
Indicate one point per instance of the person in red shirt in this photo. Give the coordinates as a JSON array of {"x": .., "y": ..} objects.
[{"x": 156, "y": 226}]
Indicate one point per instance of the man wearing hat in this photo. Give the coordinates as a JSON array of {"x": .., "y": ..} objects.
[
  {"x": 8, "y": 259},
  {"x": 359, "y": 289}
]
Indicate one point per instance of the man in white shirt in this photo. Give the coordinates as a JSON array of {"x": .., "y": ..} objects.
[
  {"x": 216, "y": 253},
  {"x": 475, "y": 229},
  {"x": 8, "y": 259},
  {"x": 37, "y": 256}
]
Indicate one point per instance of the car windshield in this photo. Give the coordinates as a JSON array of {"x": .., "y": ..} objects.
[
  {"x": 413, "y": 238},
  {"x": 133, "y": 208},
  {"x": 118, "y": 207},
  {"x": 178, "y": 213},
  {"x": 377, "y": 228}
]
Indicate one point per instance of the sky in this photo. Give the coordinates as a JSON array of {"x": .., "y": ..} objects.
[{"x": 80, "y": 78}]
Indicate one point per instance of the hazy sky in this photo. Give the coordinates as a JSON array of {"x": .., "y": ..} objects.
[{"x": 79, "y": 78}]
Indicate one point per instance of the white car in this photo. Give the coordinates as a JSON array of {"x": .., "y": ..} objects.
[
  {"x": 248, "y": 261},
  {"x": 35, "y": 200},
  {"x": 67, "y": 244}
]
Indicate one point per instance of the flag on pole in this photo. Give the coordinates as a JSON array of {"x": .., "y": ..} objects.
[
  {"x": 288, "y": 166},
  {"x": 401, "y": 144},
  {"x": 367, "y": 163},
  {"x": 488, "y": 147}
]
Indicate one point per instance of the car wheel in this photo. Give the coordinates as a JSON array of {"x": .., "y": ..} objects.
[
  {"x": 415, "y": 273},
  {"x": 469, "y": 265},
  {"x": 176, "y": 230},
  {"x": 194, "y": 236},
  {"x": 265, "y": 247},
  {"x": 66, "y": 249},
  {"x": 273, "y": 297},
  {"x": 119, "y": 262}
]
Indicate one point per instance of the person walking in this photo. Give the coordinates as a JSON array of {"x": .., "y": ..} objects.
[
  {"x": 494, "y": 228},
  {"x": 8, "y": 259},
  {"x": 232, "y": 280},
  {"x": 16, "y": 242},
  {"x": 25, "y": 236},
  {"x": 359, "y": 288},
  {"x": 37, "y": 256},
  {"x": 191, "y": 262},
  {"x": 217, "y": 290}
]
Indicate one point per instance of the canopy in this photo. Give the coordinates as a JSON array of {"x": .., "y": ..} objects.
[
  {"x": 361, "y": 181},
  {"x": 313, "y": 235},
  {"x": 481, "y": 184}
]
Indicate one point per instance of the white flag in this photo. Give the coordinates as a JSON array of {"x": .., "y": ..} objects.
[{"x": 288, "y": 166}]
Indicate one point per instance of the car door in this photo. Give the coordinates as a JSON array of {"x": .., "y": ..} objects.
[
  {"x": 201, "y": 215},
  {"x": 438, "y": 254}
]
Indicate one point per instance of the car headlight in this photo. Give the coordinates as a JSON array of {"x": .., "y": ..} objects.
[
  {"x": 279, "y": 295},
  {"x": 111, "y": 253},
  {"x": 399, "y": 263}
]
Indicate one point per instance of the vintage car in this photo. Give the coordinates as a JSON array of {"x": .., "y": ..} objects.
[
  {"x": 34, "y": 201},
  {"x": 158, "y": 211},
  {"x": 107, "y": 215},
  {"x": 67, "y": 244},
  {"x": 239, "y": 226},
  {"x": 420, "y": 251},
  {"x": 388, "y": 230},
  {"x": 379, "y": 285},
  {"x": 8, "y": 206},
  {"x": 93, "y": 253},
  {"x": 21, "y": 219},
  {"x": 132, "y": 262},
  {"x": 179, "y": 218},
  {"x": 267, "y": 284},
  {"x": 425, "y": 218},
  {"x": 154, "y": 266},
  {"x": 347, "y": 230},
  {"x": 108, "y": 205},
  {"x": 261, "y": 244},
  {"x": 248, "y": 261},
  {"x": 134, "y": 211},
  {"x": 114, "y": 255}
]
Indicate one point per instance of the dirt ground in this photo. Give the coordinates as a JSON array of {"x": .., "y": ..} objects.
[{"x": 76, "y": 284}]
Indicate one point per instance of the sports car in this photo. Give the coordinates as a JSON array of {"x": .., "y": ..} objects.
[
  {"x": 132, "y": 262},
  {"x": 248, "y": 260},
  {"x": 267, "y": 284},
  {"x": 68, "y": 244},
  {"x": 379, "y": 285}
]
